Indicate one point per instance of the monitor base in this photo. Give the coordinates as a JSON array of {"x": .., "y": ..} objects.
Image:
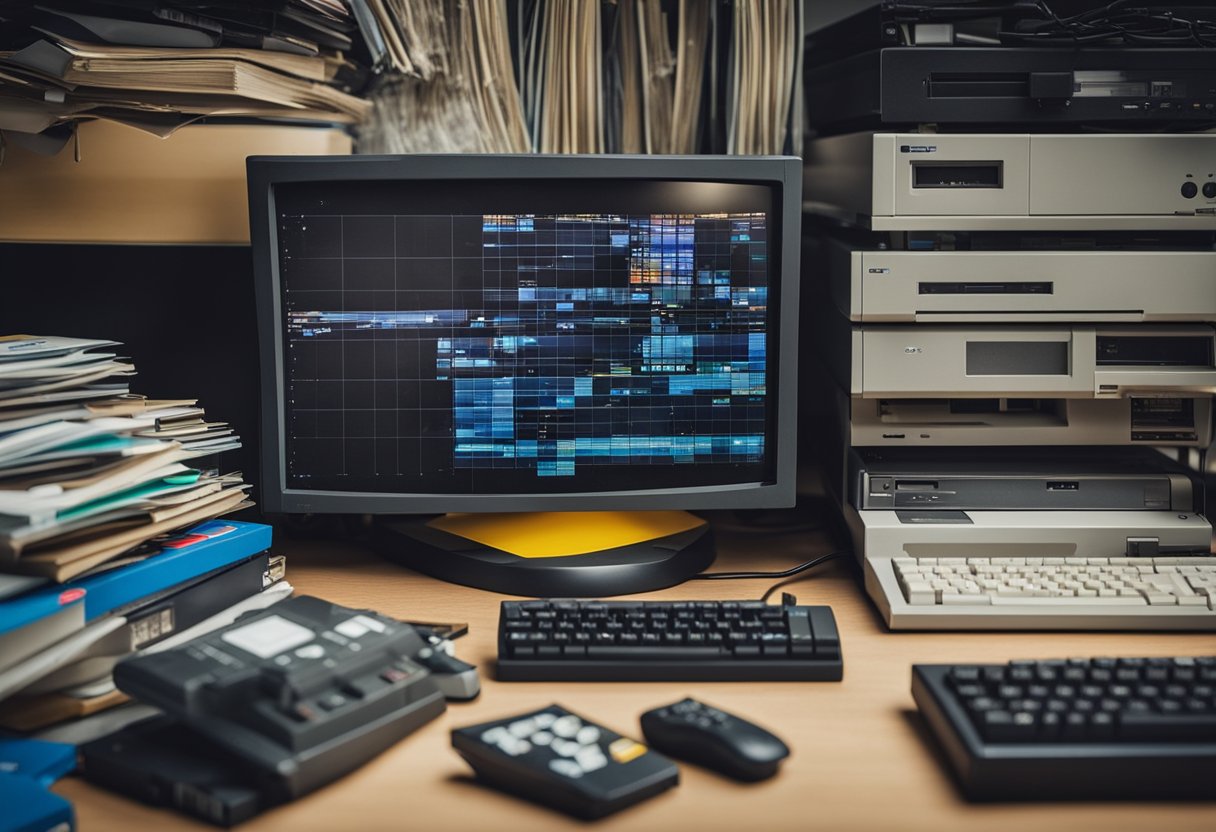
[{"x": 552, "y": 554}]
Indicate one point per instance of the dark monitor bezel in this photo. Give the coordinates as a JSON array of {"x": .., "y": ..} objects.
[{"x": 266, "y": 172}]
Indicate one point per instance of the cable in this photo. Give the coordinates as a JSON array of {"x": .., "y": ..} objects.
[
  {"x": 794, "y": 579},
  {"x": 789, "y": 580},
  {"x": 1151, "y": 23},
  {"x": 788, "y": 573}
]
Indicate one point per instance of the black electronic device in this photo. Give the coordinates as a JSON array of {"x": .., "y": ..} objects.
[
  {"x": 1128, "y": 728},
  {"x": 596, "y": 343},
  {"x": 976, "y": 65},
  {"x": 693, "y": 731},
  {"x": 973, "y": 87},
  {"x": 163, "y": 763},
  {"x": 305, "y": 690},
  {"x": 746, "y": 641},
  {"x": 1129, "y": 479},
  {"x": 562, "y": 760}
]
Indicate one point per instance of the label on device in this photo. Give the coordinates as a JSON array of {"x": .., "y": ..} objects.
[{"x": 268, "y": 636}]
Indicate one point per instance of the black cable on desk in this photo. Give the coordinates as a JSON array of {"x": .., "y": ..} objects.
[
  {"x": 787, "y": 581},
  {"x": 788, "y": 573}
]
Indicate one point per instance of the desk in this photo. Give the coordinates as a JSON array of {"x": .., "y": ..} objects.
[{"x": 860, "y": 757}]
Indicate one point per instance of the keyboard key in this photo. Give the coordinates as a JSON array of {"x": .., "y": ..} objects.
[
  {"x": 823, "y": 627},
  {"x": 1101, "y": 726},
  {"x": 1092, "y": 600},
  {"x": 965, "y": 673},
  {"x": 965, "y": 600},
  {"x": 1005, "y": 726},
  {"x": 661, "y": 653},
  {"x": 1185, "y": 727}
]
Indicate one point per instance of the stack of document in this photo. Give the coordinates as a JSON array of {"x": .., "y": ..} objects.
[
  {"x": 90, "y": 473},
  {"x": 159, "y": 65}
]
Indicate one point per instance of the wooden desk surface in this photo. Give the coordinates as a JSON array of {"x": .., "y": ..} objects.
[{"x": 861, "y": 759}]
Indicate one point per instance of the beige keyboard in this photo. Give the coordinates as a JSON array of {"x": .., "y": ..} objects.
[{"x": 1108, "y": 583}]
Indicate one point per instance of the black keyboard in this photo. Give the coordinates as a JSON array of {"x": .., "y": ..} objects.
[
  {"x": 1076, "y": 728},
  {"x": 681, "y": 641}
]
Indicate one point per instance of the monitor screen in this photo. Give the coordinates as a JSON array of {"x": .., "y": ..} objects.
[{"x": 524, "y": 338}]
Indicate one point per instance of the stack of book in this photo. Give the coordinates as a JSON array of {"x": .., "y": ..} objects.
[
  {"x": 108, "y": 537},
  {"x": 158, "y": 66}
]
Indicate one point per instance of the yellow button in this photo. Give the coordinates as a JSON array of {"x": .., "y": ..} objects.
[{"x": 625, "y": 749}]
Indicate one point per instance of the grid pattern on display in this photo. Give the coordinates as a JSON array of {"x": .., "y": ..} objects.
[{"x": 547, "y": 343}]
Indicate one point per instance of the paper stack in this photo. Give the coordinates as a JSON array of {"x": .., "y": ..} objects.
[
  {"x": 89, "y": 472},
  {"x": 160, "y": 65},
  {"x": 108, "y": 537}
]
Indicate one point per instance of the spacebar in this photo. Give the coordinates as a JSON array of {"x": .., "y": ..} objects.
[
  {"x": 655, "y": 654},
  {"x": 1068, "y": 600},
  {"x": 1171, "y": 727}
]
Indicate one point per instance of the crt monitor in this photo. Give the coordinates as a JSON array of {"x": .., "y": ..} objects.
[{"x": 600, "y": 343}]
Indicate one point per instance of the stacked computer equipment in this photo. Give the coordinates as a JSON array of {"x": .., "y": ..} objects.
[{"x": 1011, "y": 258}]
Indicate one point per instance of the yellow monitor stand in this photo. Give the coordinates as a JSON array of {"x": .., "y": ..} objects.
[{"x": 553, "y": 554}]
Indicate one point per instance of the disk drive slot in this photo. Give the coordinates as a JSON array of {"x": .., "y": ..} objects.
[
  {"x": 971, "y": 411},
  {"x": 957, "y": 174},
  {"x": 979, "y": 85},
  {"x": 1024, "y": 287}
]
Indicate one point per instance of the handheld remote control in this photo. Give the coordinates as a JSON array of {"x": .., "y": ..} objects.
[{"x": 563, "y": 760}]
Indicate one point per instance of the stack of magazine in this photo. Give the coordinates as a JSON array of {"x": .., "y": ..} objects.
[{"x": 109, "y": 541}]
